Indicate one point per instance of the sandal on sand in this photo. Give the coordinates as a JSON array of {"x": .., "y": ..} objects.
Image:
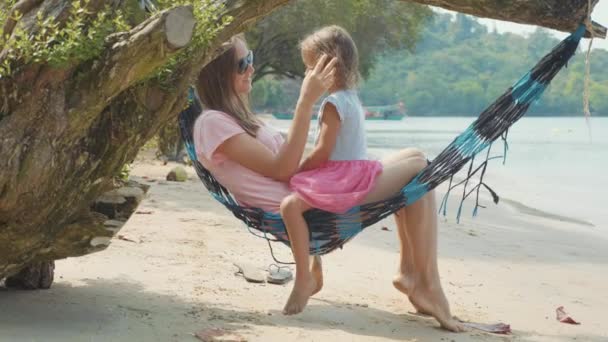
[
  {"x": 251, "y": 273},
  {"x": 278, "y": 274}
]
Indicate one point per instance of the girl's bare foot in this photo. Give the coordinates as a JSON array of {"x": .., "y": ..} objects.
[
  {"x": 316, "y": 269},
  {"x": 302, "y": 290}
]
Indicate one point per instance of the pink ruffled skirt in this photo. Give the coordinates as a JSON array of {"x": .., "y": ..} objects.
[{"x": 337, "y": 186}]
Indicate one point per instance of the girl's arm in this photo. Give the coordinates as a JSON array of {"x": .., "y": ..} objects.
[
  {"x": 252, "y": 154},
  {"x": 330, "y": 126}
]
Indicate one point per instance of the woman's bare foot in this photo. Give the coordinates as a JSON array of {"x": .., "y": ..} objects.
[
  {"x": 302, "y": 290},
  {"x": 316, "y": 269},
  {"x": 404, "y": 284},
  {"x": 431, "y": 300}
]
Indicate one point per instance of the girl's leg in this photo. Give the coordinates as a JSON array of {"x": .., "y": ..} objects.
[
  {"x": 418, "y": 275},
  {"x": 305, "y": 285}
]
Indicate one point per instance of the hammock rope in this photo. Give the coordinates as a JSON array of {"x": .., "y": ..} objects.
[{"x": 328, "y": 231}]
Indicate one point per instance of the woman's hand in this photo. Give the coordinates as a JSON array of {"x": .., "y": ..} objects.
[{"x": 318, "y": 80}]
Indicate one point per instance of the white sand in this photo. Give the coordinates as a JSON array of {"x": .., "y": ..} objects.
[{"x": 178, "y": 278}]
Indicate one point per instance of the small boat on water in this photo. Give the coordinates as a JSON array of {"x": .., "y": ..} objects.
[{"x": 391, "y": 112}]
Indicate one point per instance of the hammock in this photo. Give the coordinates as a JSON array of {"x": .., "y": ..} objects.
[{"x": 330, "y": 231}]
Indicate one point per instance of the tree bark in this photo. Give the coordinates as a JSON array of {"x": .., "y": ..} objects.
[
  {"x": 63, "y": 138},
  {"x": 39, "y": 275},
  {"x": 554, "y": 14},
  {"x": 65, "y": 133}
]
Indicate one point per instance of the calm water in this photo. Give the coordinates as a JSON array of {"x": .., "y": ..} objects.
[{"x": 552, "y": 164}]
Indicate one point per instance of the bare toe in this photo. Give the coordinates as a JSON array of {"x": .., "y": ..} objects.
[{"x": 453, "y": 325}]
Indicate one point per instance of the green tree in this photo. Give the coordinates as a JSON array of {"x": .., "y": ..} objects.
[
  {"x": 451, "y": 75},
  {"x": 376, "y": 27}
]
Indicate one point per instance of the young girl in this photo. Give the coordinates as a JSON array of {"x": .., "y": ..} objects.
[{"x": 337, "y": 175}]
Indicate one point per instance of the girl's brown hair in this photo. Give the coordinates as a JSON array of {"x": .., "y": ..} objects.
[
  {"x": 216, "y": 89},
  {"x": 336, "y": 42}
]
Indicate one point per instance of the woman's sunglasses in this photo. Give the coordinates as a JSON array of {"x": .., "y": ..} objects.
[{"x": 245, "y": 62}]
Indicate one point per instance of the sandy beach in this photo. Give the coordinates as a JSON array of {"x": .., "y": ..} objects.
[{"x": 172, "y": 275}]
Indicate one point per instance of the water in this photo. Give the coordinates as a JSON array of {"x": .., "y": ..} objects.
[{"x": 552, "y": 164}]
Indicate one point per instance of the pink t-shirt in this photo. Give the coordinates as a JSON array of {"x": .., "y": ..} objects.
[{"x": 249, "y": 188}]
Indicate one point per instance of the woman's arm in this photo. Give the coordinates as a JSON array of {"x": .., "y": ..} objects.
[
  {"x": 330, "y": 126},
  {"x": 252, "y": 154}
]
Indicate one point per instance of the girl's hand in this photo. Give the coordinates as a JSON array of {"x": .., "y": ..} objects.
[{"x": 318, "y": 80}]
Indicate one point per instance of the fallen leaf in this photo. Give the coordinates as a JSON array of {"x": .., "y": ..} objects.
[
  {"x": 563, "y": 317},
  {"x": 209, "y": 335},
  {"x": 122, "y": 237}
]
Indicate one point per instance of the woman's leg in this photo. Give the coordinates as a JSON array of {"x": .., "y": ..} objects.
[
  {"x": 402, "y": 280},
  {"x": 305, "y": 284},
  {"x": 316, "y": 269},
  {"x": 423, "y": 285},
  {"x": 418, "y": 275}
]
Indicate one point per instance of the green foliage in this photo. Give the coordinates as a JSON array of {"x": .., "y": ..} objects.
[
  {"x": 5, "y": 7},
  {"x": 270, "y": 93},
  {"x": 376, "y": 26},
  {"x": 459, "y": 68},
  {"x": 81, "y": 38},
  {"x": 83, "y": 35},
  {"x": 124, "y": 172}
]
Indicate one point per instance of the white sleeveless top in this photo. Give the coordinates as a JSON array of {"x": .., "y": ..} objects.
[{"x": 351, "y": 143}]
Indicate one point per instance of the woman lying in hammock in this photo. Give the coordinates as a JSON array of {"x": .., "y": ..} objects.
[{"x": 255, "y": 164}]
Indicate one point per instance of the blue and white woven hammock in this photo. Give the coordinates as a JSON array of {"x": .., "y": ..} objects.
[{"x": 329, "y": 231}]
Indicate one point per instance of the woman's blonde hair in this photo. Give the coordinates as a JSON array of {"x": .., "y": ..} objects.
[
  {"x": 216, "y": 91},
  {"x": 336, "y": 42}
]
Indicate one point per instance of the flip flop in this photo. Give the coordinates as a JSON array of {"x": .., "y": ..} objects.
[
  {"x": 278, "y": 275},
  {"x": 251, "y": 273}
]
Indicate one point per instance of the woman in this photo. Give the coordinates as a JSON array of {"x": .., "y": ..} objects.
[{"x": 255, "y": 163}]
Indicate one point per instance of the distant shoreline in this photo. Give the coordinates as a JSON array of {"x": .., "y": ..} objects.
[{"x": 522, "y": 208}]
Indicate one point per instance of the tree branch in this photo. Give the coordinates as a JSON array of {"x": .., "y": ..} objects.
[
  {"x": 555, "y": 14},
  {"x": 132, "y": 57}
]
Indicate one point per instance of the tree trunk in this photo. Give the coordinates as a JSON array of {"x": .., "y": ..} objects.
[
  {"x": 65, "y": 133},
  {"x": 36, "y": 276}
]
